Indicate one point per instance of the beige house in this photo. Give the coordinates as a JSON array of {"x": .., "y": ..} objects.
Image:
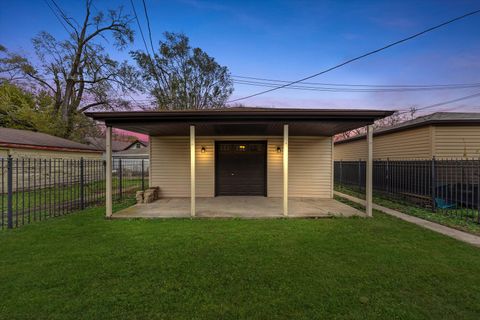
[
  {"x": 441, "y": 134},
  {"x": 244, "y": 155},
  {"x": 29, "y": 144}
]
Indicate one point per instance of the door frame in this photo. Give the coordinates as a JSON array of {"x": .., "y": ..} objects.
[{"x": 216, "y": 162}]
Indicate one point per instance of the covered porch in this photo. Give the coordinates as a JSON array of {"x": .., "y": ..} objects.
[
  {"x": 287, "y": 156},
  {"x": 240, "y": 207}
]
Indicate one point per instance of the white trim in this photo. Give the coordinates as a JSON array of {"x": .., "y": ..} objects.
[
  {"x": 332, "y": 177},
  {"x": 369, "y": 169},
  {"x": 108, "y": 183},
  {"x": 285, "y": 169},
  {"x": 192, "y": 170}
]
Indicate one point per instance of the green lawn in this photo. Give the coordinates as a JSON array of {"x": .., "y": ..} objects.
[
  {"x": 82, "y": 266},
  {"x": 451, "y": 218}
]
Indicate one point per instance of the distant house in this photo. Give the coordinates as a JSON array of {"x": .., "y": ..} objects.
[
  {"x": 117, "y": 145},
  {"x": 441, "y": 134},
  {"x": 136, "y": 153},
  {"x": 30, "y": 144}
]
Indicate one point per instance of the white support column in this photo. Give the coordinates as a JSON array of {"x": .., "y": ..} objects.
[
  {"x": 369, "y": 170},
  {"x": 192, "y": 170},
  {"x": 108, "y": 174},
  {"x": 285, "y": 169}
]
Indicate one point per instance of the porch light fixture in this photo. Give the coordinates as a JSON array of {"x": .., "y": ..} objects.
[
  {"x": 203, "y": 150},
  {"x": 279, "y": 150}
]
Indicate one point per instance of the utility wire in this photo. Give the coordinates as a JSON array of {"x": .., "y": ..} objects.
[
  {"x": 445, "y": 102},
  {"x": 245, "y": 78},
  {"x": 360, "y": 57},
  {"x": 355, "y": 89},
  {"x": 154, "y": 70},
  {"x": 140, "y": 28},
  {"x": 148, "y": 25},
  {"x": 58, "y": 18}
]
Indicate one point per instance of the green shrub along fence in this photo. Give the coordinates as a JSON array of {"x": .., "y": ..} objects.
[
  {"x": 37, "y": 189},
  {"x": 450, "y": 186}
]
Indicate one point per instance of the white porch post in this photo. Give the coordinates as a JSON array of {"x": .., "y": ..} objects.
[
  {"x": 192, "y": 170},
  {"x": 108, "y": 174},
  {"x": 369, "y": 167},
  {"x": 285, "y": 169}
]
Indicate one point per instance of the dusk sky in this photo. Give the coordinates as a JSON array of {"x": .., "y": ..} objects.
[{"x": 289, "y": 40}]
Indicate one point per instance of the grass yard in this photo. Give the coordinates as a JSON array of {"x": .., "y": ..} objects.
[
  {"x": 82, "y": 266},
  {"x": 450, "y": 218}
]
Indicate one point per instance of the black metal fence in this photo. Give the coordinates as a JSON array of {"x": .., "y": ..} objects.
[
  {"x": 450, "y": 186},
  {"x": 37, "y": 189}
]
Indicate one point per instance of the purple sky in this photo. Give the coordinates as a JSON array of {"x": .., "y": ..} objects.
[{"x": 292, "y": 39}]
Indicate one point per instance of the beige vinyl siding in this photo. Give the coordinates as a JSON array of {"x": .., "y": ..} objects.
[
  {"x": 309, "y": 168},
  {"x": 457, "y": 141},
  {"x": 354, "y": 150},
  {"x": 408, "y": 144},
  {"x": 275, "y": 168},
  {"x": 170, "y": 165},
  {"x": 205, "y": 167}
]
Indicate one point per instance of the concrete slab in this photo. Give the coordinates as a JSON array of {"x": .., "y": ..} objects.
[{"x": 239, "y": 207}]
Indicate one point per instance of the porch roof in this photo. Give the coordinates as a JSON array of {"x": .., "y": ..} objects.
[{"x": 241, "y": 121}]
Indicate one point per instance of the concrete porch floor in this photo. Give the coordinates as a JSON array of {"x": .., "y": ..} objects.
[{"x": 239, "y": 207}]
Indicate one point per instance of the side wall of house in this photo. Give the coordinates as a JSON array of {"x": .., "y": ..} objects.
[
  {"x": 310, "y": 170},
  {"x": 408, "y": 144},
  {"x": 456, "y": 141}
]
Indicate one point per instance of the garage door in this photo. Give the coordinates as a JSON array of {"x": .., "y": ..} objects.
[{"x": 240, "y": 168}]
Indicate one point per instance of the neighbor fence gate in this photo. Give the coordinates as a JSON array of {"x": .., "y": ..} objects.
[
  {"x": 450, "y": 186},
  {"x": 34, "y": 189}
]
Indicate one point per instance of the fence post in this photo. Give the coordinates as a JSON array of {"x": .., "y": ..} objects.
[
  {"x": 143, "y": 175},
  {"x": 360, "y": 174},
  {"x": 10, "y": 192},
  {"x": 341, "y": 173},
  {"x": 120, "y": 178},
  {"x": 388, "y": 175},
  {"x": 433, "y": 184},
  {"x": 82, "y": 184}
]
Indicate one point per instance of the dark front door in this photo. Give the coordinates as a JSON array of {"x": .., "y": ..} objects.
[{"x": 240, "y": 168}]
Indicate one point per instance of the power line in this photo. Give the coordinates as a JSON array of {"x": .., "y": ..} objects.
[
  {"x": 140, "y": 27},
  {"x": 240, "y": 78},
  {"x": 359, "y": 57},
  {"x": 148, "y": 25},
  {"x": 58, "y": 18},
  {"x": 154, "y": 70},
  {"x": 356, "y": 89},
  {"x": 445, "y": 102}
]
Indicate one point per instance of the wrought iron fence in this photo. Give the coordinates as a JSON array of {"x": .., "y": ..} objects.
[
  {"x": 37, "y": 189},
  {"x": 450, "y": 186}
]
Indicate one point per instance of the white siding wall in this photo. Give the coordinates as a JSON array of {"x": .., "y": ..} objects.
[{"x": 309, "y": 167}]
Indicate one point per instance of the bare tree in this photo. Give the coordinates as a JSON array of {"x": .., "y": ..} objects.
[
  {"x": 396, "y": 118},
  {"x": 77, "y": 71}
]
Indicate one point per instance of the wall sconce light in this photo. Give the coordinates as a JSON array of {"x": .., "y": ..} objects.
[
  {"x": 203, "y": 150},
  {"x": 279, "y": 150}
]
